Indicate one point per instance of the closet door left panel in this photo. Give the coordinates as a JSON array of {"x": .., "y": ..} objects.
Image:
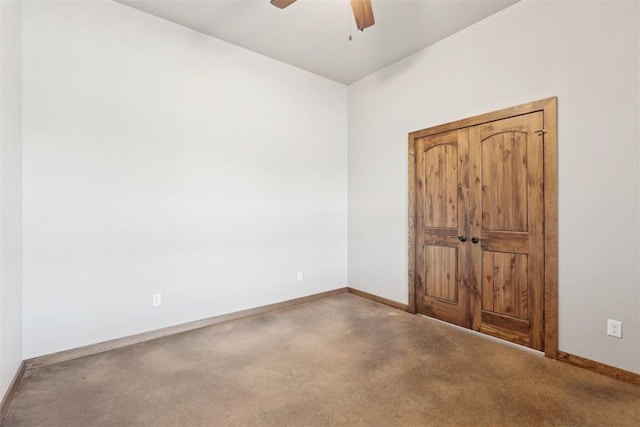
[{"x": 442, "y": 274}]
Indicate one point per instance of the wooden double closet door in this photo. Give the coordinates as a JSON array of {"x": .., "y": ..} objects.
[{"x": 479, "y": 227}]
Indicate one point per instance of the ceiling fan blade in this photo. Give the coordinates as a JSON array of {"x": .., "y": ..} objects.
[
  {"x": 282, "y": 3},
  {"x": 363, "y": 12}
]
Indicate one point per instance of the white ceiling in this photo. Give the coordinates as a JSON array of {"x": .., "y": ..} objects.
[{"x": 313, "y": 34}]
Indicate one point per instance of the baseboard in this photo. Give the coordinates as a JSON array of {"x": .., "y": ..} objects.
[
  {"x": 592, "y": 365},
  {"x": 381, "y": 300},
  {"x": 8, "y": 396},
  {"x": 601, "y": 368},
  {"x": 88, "y": 350}
]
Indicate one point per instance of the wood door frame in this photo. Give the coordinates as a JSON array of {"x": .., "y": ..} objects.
[{"x": 549, "y": 108}]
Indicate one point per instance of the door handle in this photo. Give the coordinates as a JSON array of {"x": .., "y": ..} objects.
[
  {"x": 462, "y": 238},
  {"x": 474, "y": 240}
]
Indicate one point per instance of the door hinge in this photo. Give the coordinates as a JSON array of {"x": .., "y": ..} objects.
[
  {"x": 412, "y": 154},
  {"x": 541, "y": 132}
]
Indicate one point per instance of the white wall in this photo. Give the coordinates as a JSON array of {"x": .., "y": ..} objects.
[
  {"x": 158, "y": 159},
  {"x": 10, "y": 194},
  {"x": 586, "y": 53}
]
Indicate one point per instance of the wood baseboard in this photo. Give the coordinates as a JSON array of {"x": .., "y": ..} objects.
[
  {"x": 381, "y": 300},
  {"x": 582, "y": 362},
  {"x": 8, "y": 396},
  {"x": 601, "y": 368},
  {"x": 88, "y": 350}
]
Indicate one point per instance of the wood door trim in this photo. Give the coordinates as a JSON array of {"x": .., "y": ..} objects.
[
  {"x": 412, "y": 225},
  {"x": 549, "y": 107},
  {"x": 505, "y": 113},
  {"x": 550, "y": 121}
]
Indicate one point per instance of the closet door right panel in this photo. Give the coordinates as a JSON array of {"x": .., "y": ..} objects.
[{"x": 507, "y": 229}]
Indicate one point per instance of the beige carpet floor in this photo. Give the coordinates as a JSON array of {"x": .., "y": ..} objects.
[{"x": 339, "y": 361}]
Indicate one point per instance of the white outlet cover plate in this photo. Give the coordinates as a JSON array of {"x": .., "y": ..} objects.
[{"x": 614, "y": 328}]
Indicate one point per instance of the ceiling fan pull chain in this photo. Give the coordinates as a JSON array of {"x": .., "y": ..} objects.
[{"x": 349, "y": 15}]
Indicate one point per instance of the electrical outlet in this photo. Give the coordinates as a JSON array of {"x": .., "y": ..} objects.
[
  {"x": 157, "y": 300},
  {"x": 299, "y": 276},
  {"x": 614, "y": 328}
]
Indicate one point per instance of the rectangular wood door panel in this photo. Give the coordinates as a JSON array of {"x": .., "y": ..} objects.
[
  {"x": 441, "y": 186},
  {"x": 505, "y": 284},
  {"x": 501, "y": 241},
  {"x": 506, "y": 334},
  {"x": 504, "y": 182},
  {"x": 441, "y": 272},
  {"x": 443, "y": 310},
  {"x": 515, "y": 325}
]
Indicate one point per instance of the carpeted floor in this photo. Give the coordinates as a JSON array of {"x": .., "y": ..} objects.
[{"x": 339, "y": 361}]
